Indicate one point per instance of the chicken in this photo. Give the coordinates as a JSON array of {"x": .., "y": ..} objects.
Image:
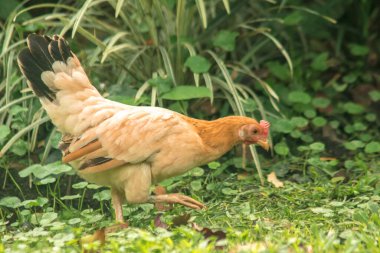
[{"x": 127, "y": 148}]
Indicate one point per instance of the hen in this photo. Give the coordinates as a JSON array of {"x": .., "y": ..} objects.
[{"x": 125, "y": 147}]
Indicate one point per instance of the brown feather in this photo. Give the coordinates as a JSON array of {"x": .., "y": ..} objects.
[{"x": 81, "y": 152}]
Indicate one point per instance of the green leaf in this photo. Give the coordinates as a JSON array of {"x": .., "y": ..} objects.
[
  {"x": 197, "y": 172},
  {"x": 321, "y": 102},
  {"x": 310, "y": 113},
  {"x": 29, "y": 170},
  {"x": 103, "y": 195},
  {"x": 55, "y": 139},
  {"x": 19, "y": 148},
  {"x": 74, "y": 221},
  {"x": 229, "y": 191},
  {"x": 293, "y": 19},
  {"x": 225, "y": 40},
  {"x": 353, "y": 145},
  {"x": 213, "y": 165},
  {"x": 358, "y": 50},
  {"x": 281, "y": 149},
  {"x": 4, "y": 132},
  {"x": 299, "y": 121},
  {"x": 299, "y": 97},
  {"x": 374, "y": 95},
  {"x": 283, "y": 126},
  {"x": 11, "y": 202},
  {"x": 317, "y": 146},
  {"x": 353, "y": 108},
  {"x": 324, "y": 211},
  {"x": 48, "y": 218},
  {"x": 163, "y": 84},
  {"x": 372, "y": 147},
  {"x": 47, "y": 180},
  {"x": 319, "y": 121},
  {"x": 58, "y": 168},
  {"x": 198, "y": 64},
  {"x": 16, "y": 109},
  {"x": 280, "y": 71},
  {"x": 320, "y": 62},
  {"x": 80, "y": 185},
  {"x": 187, "y": 92},
  {"x": 196, "y": 185}
]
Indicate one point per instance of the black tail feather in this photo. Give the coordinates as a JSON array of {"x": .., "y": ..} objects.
[{"x": 40, "y": 55}]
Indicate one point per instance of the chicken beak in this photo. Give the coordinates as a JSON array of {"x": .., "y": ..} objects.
[{"x": 264, "y": 144}]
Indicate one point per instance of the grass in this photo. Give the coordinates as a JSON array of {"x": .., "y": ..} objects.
[{"x": 311, "y": 217}]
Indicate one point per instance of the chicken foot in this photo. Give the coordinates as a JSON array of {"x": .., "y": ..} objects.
[{"x": 177, "y": 198}]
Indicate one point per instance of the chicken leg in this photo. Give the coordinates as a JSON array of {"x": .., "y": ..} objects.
[
  {"x": 177, "y": 198},
  {"x": 117, "y": 201}
]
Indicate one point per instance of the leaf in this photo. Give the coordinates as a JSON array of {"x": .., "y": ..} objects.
[
  {"x": 187, "y": 92},
  {"x": 11, "y": 202},
  {"x": 374, "y": 95},
  {"x": 19, "y": 148},
  {"x": 47, "y": 180},
  {"x": 317, "y": 146},
  {"x": 158, "y": 223},
  {"x": 58, "y": 168},
  {"x": 299, "y": 121},
  {"x": 198, "y": 64},
  {"x": 29, "y": 170},
  {"x": 321, "y": 102},
  {"x": 299, "y": 97},
  {"x": 324, "y": 211},
  {"x": 196, "y": 185},
  {"x": 213, "y": 165},
  {"x": 74, "y": 221},
  {"x": 319, "y": 121},
  {"x": 283, "y": 126},
  {"x": 103, "y": 195},
  {"x": 163, "y": 84},
  {"x": 272, "y": 178},
  {"x": 80, "y": 185},
  {"x": 281, "y": 149},
  {"x": 225, "y": 40},
  {"x": 320, "y": 62},
  {"x": 279, "y": 70},
  {"x": 4, "y": 132},
  {"x": 293, "y": 19},
  {"x": 353, "y": 108},
  {"x": 353, "y": 145},
  {"x": 197, "y": 172},
  {"x": 358, "y": 50},
  {"x": 229, "y": 191},
  {"x": 47, "y": 218},
  {"x": 372, "y": 147}
]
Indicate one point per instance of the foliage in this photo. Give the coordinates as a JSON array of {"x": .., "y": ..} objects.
[{"x": 308, "y": 68}]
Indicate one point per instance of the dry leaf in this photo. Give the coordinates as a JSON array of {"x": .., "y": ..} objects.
[
  {"x": 99, "y": 235},
  {"x": 272, "y": 178},
  {"x": 158, "y": 223}
]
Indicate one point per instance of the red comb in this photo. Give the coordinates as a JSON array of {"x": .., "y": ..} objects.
[{"x": 265, "y": 124}]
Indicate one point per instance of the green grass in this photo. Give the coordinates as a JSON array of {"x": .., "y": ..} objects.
[{"x": 322, "y": 217}]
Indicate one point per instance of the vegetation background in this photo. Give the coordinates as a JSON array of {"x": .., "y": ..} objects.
[{"x": 311, "y": 68}]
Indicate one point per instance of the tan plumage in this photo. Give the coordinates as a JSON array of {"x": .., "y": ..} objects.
[{"x": 127, "y": 148}]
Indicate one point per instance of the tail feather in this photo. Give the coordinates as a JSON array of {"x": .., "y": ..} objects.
[{"x": 39, "y": 57}]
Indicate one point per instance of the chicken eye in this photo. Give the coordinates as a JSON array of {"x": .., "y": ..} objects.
[{"x": 255, "y": 131}]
